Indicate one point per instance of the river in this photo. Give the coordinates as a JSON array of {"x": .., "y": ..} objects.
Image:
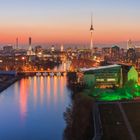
[{"x": 32, "y": 109}]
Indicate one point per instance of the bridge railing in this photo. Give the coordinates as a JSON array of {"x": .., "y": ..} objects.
[{"x": 42, "y": 71}]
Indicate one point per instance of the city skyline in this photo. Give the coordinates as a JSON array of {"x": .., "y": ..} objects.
[
  {"x": 46, "y": 22},
  {"x": 69, "y": 64}
]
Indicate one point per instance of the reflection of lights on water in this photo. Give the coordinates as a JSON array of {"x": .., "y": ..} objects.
[
  {"x": 23, "y": 97},
  {"x": 48, "y": 89},
  {"x": 16, "y": 89},
  {"x": 63, "y": 81},
  {"x": 55, "y": 89},
  {"x": 62, "y": 87},
  {"x": 55, "y": 77},
  {"x": 30, "y": 82},
  {"x": 41, "y": 89},
  {"x": 35, "y": 90}
]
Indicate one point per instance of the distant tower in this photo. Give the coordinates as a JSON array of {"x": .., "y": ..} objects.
[
  {"x": 91, "y": 34},
  {"x": 17, "y": 43},
  {"x": 30, "y": 43},
  {"x": 30, "y": 50}
]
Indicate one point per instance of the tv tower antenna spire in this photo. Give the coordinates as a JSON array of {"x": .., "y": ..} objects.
[{"x": 91, "y": 33}]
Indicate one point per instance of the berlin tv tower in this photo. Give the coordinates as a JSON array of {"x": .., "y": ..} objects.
[{"x": 91, "y": 34}]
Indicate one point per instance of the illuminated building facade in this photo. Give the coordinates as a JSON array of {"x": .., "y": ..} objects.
[
  {"x": 16, "y": 44},
  {"x": 130, "y": 44},
  {"x": 109, "y": 76},
  {"x": 104, "y": 76}
]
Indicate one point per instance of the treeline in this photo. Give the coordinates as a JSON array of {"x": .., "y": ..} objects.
[{"x": 79, "y": 119}]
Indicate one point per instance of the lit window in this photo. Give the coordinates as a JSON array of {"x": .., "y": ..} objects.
[
  {"x": 111, "y": 80},
  {"x": 99, "y": 80}
]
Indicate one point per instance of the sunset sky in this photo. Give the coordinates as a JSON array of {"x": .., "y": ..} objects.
[{"x": 68, "y": 21}]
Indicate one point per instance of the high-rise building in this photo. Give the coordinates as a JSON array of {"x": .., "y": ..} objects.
[
  {"x": 8, "y": 49},
  {"x": 115, "y": 53},
  {"x": 91, "y": 34},
  {"x": 130, "y": 44},
  {"x": 16, "y": 43},
  {"x": 30, "y": 43}
]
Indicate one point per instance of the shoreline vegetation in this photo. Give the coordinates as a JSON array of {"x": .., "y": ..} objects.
[
  {"x": 79, "y": 114},
  {"x": 79, "y": 118}
]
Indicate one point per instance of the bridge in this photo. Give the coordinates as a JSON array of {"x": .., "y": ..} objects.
[{"x": 44, "y": 72}]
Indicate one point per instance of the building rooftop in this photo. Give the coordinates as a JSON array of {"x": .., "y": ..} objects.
[{"x": 100, "y": 67}]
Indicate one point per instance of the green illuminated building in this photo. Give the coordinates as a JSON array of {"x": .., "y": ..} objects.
[
  {"x": 122, "y": 76},
  {"x": 109, "y": 76},
  {"x": 103, "y": 76},
  {"x": 133, "y": 74}
]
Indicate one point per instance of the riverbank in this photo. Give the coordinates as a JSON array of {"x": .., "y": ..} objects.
[
  {"x": 79, "y": 115},
  {"x": 6, "y": 81}
]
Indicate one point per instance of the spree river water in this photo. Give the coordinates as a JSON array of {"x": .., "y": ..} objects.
[{"x": 32, "y": 109}]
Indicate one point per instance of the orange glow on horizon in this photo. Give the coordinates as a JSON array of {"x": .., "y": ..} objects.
[{"x": 67, "y": 35}]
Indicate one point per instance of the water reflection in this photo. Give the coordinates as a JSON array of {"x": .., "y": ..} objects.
[
  {"x": 16, "y": 89},
  {"x": 55, "y": 89},
  {"x": 48, "y": 89},
  {"x": 35, "y": 90},
  {"x": 33, "y": 108},
  {"x": 62, "y": 83},
  {"x": 41, "y": 89},
  {"x": 23, "y": 97}
]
